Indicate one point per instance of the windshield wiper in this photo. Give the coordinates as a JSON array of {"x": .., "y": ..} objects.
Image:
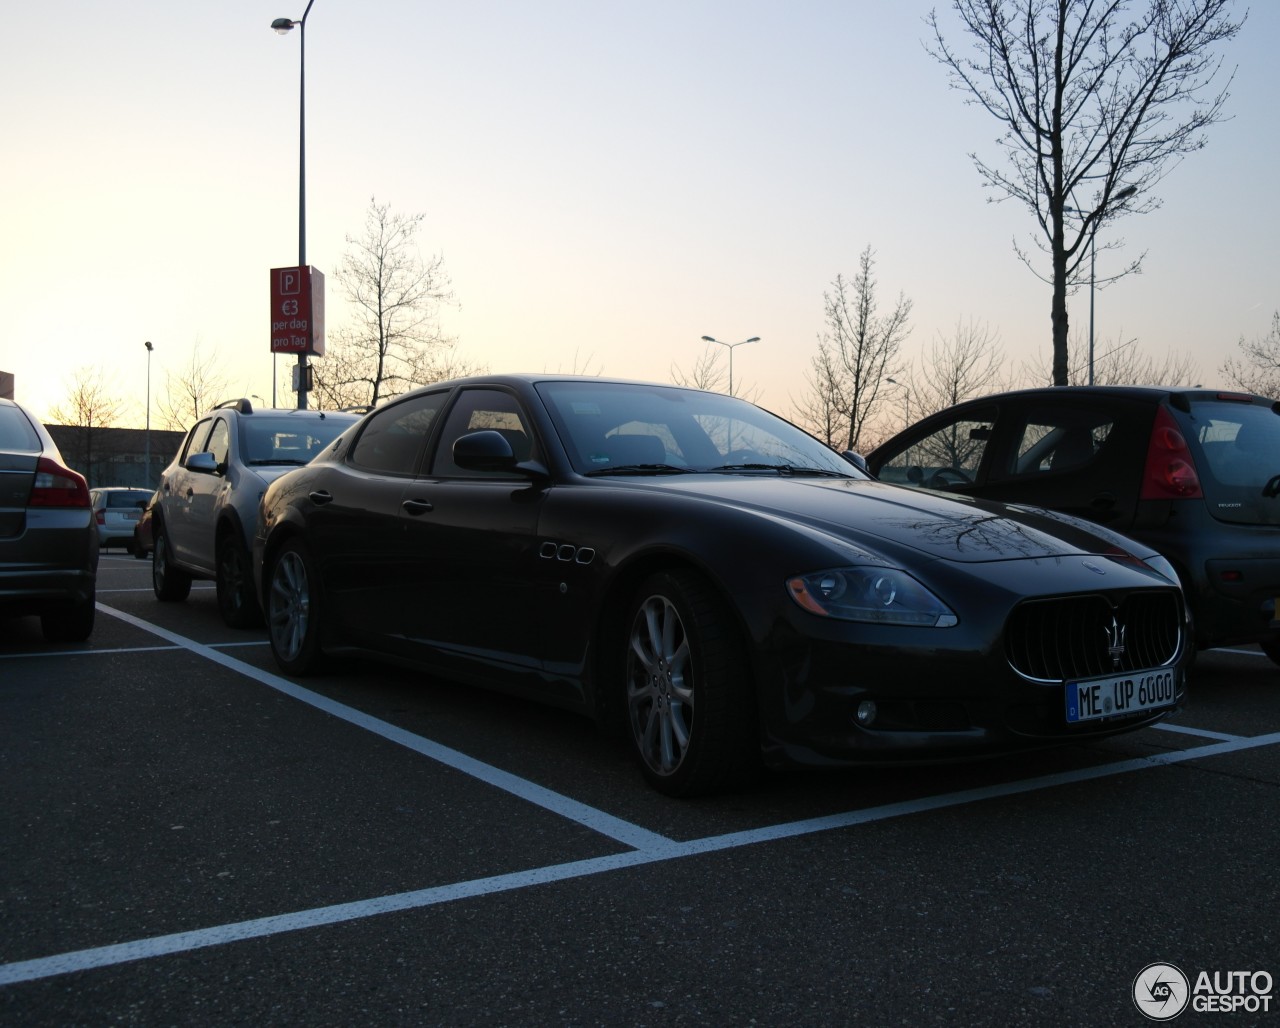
[
  {"x": 639, "y": 469},
  {"x": 782, "y": 469}
]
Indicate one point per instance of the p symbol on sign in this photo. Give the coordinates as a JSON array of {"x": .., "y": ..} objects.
[{"x": 289, "y": 281}]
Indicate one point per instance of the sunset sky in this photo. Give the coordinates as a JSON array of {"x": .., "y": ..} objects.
[{"x": 607, "y": 182}]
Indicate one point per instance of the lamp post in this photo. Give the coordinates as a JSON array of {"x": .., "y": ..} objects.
[
  {"x": 148, "y": 436},
  {"x": 906, "y": 394},
  {"x": 1099, "y": 211},
  {"x": 282, "y": 26},
  {"x": 731, "y": 347}
]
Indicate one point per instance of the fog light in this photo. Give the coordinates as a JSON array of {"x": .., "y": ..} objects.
[{"x": 866, "y": 713}]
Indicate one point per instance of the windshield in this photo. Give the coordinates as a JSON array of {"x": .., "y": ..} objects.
[
  {"x": 623, "y": 428},
  {"x": 287, "y": 439},
  {"x": 1240, "y": 473}
]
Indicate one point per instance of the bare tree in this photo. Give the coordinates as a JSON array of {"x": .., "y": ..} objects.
[
  {"x": 190, "y": 392},
  {"x": 91, "y": 404},
  {"x": 958, "y": 367},
  {"x": 1122, "y": 362},
  {"x": 856, "y": 354},
  {"x": 1094, "y": 104},
  {"x": 394, "y": 341},
  {"x": 705, "y": 373},
  {"x": 820, "y": 410},
  {"x": 1257, "y": 369}
]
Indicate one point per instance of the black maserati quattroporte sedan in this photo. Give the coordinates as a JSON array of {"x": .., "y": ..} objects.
[{"x": 725, "y": 589}]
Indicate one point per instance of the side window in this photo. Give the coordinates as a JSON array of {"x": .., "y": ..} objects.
[
  {"x": 392, "y": 439},
  {"x": 1058, "y": 440},
  {"x": 947, "y": 458},
  {"x": 195, "y": 439},
  {"x": 476, "y": 410},
  {"x": 219, "y": 443}
]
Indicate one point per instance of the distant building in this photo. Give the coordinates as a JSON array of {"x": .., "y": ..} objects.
[{"x": 116, "y": 456}]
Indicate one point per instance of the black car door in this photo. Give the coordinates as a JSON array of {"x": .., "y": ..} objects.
[
  {"x": 357, "y": 526},
  {"x": 471, "y": 551},
  {"x": 1072, "y": 455}
]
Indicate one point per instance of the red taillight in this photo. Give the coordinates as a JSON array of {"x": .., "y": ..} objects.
[
  {"x": 1170, "y": 473},
  {"x": 101, "y": 517},
  {"x": 56, "y": 486}
]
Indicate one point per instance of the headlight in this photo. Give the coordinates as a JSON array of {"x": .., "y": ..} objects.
[{"x": 879, "y": 595}]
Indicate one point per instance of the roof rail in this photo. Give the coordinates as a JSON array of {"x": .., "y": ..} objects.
[{"x": 242, "y": 405}]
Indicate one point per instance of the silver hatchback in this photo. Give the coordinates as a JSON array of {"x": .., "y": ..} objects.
[{"x": 48, "y": 539}]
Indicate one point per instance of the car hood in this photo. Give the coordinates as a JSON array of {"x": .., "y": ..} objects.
[{"x": 940, "y": 525}]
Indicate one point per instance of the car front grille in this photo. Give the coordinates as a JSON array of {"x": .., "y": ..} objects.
[{"x": 1076, "y": 637}]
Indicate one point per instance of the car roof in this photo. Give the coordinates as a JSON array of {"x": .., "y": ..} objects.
[{"x": 1103, "y": 393}]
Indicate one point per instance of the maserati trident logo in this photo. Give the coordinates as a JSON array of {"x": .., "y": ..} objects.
[{"x": 1115, "y": 641}]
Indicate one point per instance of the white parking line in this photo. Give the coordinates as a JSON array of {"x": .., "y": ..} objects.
[
  {"x": 1202, "y": 732},
  {"x": 597, "y": 820},
  {"x": 185, "y": 942}
]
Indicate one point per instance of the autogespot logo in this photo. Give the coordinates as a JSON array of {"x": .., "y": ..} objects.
[{"x": 1161, "y": 992}]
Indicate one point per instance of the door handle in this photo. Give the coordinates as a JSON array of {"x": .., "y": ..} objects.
[
  {"x": 416, "y": 507},
  {"x": 320, "y": 497}
]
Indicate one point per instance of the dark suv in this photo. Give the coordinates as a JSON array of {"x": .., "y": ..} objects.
[
  {"x": 206, "y": 509},
  {"x": 1193, "y": 472}
]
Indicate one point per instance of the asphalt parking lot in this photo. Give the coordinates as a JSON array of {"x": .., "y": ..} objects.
[{"x": 187, "y": 836}]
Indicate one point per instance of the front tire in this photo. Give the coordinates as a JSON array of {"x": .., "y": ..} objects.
[
  {"x": 170, "y": 583},
  {"x": 294, "y": 609},
  {"x": 690, "y": 704},
  {"x": 236, "y": 599}
]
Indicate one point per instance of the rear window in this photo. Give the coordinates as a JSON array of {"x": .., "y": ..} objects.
[
  {"x": 1239, "y": 444},
  {"x": 16, "y": 433},
  {"x": 268, "y": 439},
  {"x": 128, "y": 498}
]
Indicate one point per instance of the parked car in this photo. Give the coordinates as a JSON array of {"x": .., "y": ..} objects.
[
  {"x": 48, "y": 539},
  {"x": 204, "y": 519},
  {"x": 143, "y": 539},
  {"x": 707, "y": 577},
  {"x": 1192, "y": 473},
  {"x": 116, "y": 510}
]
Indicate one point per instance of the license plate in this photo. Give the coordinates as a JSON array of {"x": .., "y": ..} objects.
[{"x": 1096, "y": 698}]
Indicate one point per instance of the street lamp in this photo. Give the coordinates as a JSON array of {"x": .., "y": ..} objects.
[
  {"x": 906, "y": 393},
  {"x": 282, "y": 26},
  {"x": 731, "y": 347},
  {"x": 148, "y": 437},
  {"x": 1124, "y": 194}
]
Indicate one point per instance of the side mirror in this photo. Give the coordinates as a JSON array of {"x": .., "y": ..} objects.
[
  {"x": 487, "y": 450},
  {"x": 204, "y": 462},
  {"x": 858, "y": 461},
  {"x": 490, "y": 450}
]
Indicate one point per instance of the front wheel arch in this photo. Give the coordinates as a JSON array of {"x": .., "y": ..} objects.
[
  {"x": 293, "y": 605},
  {"x": 688, "y": 697}
]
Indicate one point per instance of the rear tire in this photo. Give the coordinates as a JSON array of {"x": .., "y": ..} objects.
[
  {"x": 169, "y": 582},
  {"x": 237, "y": 600},
  {"x": 691, "y": 708},
  {"x": 295, "y": 608}
]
